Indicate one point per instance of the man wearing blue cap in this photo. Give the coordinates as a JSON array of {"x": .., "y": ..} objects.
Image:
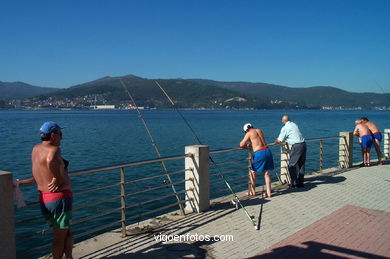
[{"x": 54, "y": 186}]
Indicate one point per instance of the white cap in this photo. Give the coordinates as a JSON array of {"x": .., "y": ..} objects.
[{"x": 247, "y": 126}]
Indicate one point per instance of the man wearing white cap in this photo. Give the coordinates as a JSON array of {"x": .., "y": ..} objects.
[{"x": 262, "y": 157}]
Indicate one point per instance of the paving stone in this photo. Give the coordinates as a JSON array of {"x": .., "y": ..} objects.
[{"x": 355, "y": 194}]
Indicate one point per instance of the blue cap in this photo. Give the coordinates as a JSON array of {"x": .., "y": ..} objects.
[{"x": 49, "y": 127}]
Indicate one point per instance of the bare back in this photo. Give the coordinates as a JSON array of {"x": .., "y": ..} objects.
[
  {"x": 256, "y": 137},
  {"x": 46, "y": 164},
  {"x": 361, "y": 130},
  {"x": 371, "y": 126}
]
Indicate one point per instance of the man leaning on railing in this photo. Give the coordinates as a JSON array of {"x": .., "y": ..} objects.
[
  {"x": 293, "y": 136},
  {"x": 51, "y": 175}
]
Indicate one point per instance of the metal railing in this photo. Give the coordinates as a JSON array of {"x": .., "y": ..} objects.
[
  {"x": 233, "y": 163},
  {"x": 318, "y": 158},
  {"x": 123, "y": 207}
]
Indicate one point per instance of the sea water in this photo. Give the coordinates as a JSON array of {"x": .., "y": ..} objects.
[{"x": 102, "y": 138}]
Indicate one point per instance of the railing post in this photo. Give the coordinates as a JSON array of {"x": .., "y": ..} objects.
[
  {"x": 346, "y": 149},
  {"x": 197, "y": 178},
  {"x": 321, "y": 155},
  {"x": 386, "y": 144},
  {"x": 123, "y": 203},
  {"x": 284, "y": 158},
  {"x": 7, "y": 220}
]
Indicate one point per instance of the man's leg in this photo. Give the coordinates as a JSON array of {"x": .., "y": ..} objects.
[
  {"x": 364, "y": 156},
  {"x": 293, "y": 164},
  {"x": 301, "y": 165},
  {"x": 252, "y": 183},
  {"x": 377, "y": 145},
  {"x": 69, "y": 245},
  {"x": 59, "y": 240},
  {"x": 368, "y": 155},
  {"x": 267, "y": 179}
]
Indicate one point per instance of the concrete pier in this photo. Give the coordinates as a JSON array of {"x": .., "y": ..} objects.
[{"x": 344, "y": 213}]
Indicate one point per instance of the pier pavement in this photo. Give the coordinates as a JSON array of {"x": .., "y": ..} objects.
[{"x": 338, "y": 214}]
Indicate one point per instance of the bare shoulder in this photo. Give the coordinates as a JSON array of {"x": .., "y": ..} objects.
[
  {"x": 53, "y": 151},
  {"x": 259, "y": 131}
]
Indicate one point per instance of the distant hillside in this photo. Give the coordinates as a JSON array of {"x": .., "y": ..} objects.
[
  {"x": 186, "y": 94},
  {"x": 20, "y": 90},
  {"x": 311, "y": 96}
]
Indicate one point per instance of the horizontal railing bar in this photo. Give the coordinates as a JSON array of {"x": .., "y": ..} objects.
[
  {"x": 136, "y": 163},
  {"x": 156, "y": 199},
  {"x": 230, "y": 179},
  {"x": 330, "y": 153},
  {"x": 125, "y": 165},
  {"x": 228, "y": 189},
  {"x": 218, "y": 151},
  {"x": 97, "y": 189},
  {"x": 95, "y": 216},
  {"x": 228, "y": 162},
  {"x": 36, "y": 233},
  {"x": 96, "y": 203},
  {"x": 233, "y": 169},
  {"x": 157, "y": 187},
  {"x": 238, "y": 148},
  {"x": 156, "y": 176},
  {"x": 28, "y": 220},
  {"x": 33, "y": 250},
  {"x": 139, "y": 215},
  {"x": 324, "y": 138}
]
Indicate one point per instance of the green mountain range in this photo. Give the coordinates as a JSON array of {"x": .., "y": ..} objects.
[
  {"x": 188, "y": 93},
  {"x": 185, "y": 93},
  {"x": 20, "y": 90},
  {"x": 312, "y": 96}
]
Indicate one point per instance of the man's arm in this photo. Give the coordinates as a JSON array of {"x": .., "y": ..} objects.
[
  {"x": 356, "y": 131},
  {"x": 282, "y": 136},
  {"x": 54, "y": 165},
  {"x": 244, "y": 141}
]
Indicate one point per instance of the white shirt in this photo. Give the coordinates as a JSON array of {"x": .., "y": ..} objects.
[{"x": 291, "y": 133}]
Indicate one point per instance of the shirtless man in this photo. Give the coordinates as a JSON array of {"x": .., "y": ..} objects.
[
  {"x": 376, "y": 134},
  {"x": 262, "y": 157},
  {"x": 54, "y": 186},
  {"x": 364, "y": 133}
]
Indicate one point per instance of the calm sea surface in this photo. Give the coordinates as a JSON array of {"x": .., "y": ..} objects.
[{"x": 102, "y": 138}]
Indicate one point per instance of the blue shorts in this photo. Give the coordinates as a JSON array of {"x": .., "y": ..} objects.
[
  {"x": 367, "y": 141},
  {"x": 378, "y": 136},
  {"x": 262, "y": 160}
]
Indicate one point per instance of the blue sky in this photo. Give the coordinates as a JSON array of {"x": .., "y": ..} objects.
[{"x": 341, "y": 43}]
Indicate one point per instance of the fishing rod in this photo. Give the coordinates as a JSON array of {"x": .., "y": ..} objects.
[
  {"x": 154, "y": 144},
  {"x": 236, "y": 199},
  {"x": 261, "y": 210}
]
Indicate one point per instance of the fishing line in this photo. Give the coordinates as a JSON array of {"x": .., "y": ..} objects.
[
  {"x": 154, "y": 144},
  {"x": 236, "y": 199}
]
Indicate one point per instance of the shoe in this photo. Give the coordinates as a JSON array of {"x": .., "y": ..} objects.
[{"x": 293, "y": 186}]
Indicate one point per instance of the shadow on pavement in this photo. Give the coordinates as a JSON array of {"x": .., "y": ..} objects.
[{"x": 314, "y": 250}]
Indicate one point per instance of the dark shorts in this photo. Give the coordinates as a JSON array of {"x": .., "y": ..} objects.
[
  {"x": 56, "y": 207},
  {"x": 378, "y": 136},
  {"x": 262, "y": 160},
  {"x": 367, "y": 141}
]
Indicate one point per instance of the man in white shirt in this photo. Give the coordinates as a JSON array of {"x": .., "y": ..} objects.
[{"x": 292, "y": 135}]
